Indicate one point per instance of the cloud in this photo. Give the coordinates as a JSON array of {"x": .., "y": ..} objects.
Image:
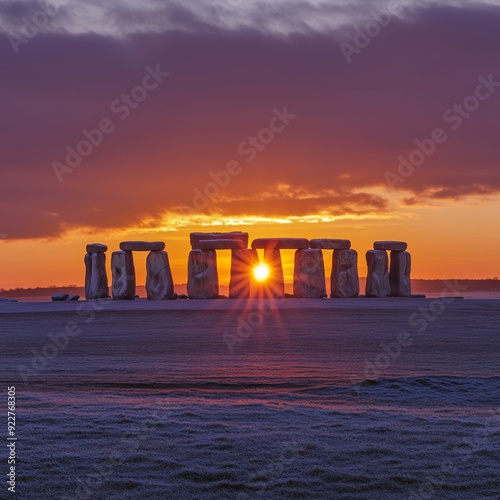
[{"x": 353, "y": 120}]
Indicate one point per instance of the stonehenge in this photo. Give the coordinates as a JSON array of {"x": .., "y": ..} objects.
[
  {"x": 344, "y": 277},
  {"x": 195, "y": 238},
  {"x": 309, "y": 274},
  {"x": 96, "y": 279},
  {"x": 142, "y": 246},
  {"x": 274, "y": 286},
  {"x": 399, "y": 274},
  {"x": 123, "y": 272},
  {"x": 377, "y": 279},
  {"x": 159, "y": 280},
  {"x": 203, "y": 278},
  {"x": 388, "y": 277},
  {"x": 388, "y": 264}
]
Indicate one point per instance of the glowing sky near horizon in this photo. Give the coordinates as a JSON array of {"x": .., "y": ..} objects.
[{"x": 235, "y": 69}]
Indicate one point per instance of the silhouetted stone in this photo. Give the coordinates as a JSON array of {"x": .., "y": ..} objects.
[
  {"x": 60, "y": 297},
  {"x": 329, "y": 244},
  {"x": 96, "y": 248},
  {"x": 281, "y": 243},
  {"x": 377, "y": 280},
  {"x": 203, "y": 280},
  {"x": 88, "y": 273},
  {"x": 309, "y": 274},
  {"x": 221, "y": 244},
  {"x": 344, "y": 277},
  {"x": 399, "y": 274},
  {"x": 123, "y": 271},
  {"x": 195, "y": 238},
  {"x": 159, "y": 280},
  {"x": 97, "y": 286},
  {"x": 398, "y": 246},
  {"x": 243, "y": 261},
  {"x": 142, "y": 246},
  {"x": 74, "y": 297}
]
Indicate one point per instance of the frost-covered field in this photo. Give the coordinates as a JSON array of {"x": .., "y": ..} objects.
[{"x": 326, "y": 399}]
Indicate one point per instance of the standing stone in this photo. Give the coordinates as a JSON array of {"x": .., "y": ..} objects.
[
  {"x": 309, "y": 274},
  {"x": 344, "y": 277},
  {"x": 96, "y": 278},
  {"x": 203, "y": 280},
  {"x": 243, "y": 262},
  {"x": 88, "y": 274},
  {"x": 399, "y": 275},
  {"x": 99, "y": 288},
  {"x": 377, "y": 280},
  {"x": 123, "y": 271},
  {"x": 159, "y": 280},
  {"x": 274, "y": 286}
]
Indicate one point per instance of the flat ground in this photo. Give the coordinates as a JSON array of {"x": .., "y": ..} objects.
[{"x": 362, "y": 398}]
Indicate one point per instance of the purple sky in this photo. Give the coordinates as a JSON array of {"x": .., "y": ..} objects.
[{"x": 229, "y": 68}]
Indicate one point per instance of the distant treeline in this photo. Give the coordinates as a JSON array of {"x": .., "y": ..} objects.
[{"x": 418, "y": 286}]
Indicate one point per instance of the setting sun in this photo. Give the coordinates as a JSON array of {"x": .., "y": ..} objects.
[{"x": 261, "y": 272}]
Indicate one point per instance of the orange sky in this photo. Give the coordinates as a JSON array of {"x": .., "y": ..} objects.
[
  {"x": 111, "y": 130},
  {"x": 446, "y": 242}
]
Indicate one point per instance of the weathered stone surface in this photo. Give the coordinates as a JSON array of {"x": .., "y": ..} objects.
[
  {"x": 399, "y": 274},
  {"x": 398, "y": 246},
  {"x": 329, "y": 244},
  {"x": 96, "y": 248},
  {"x": 96, "y": 278},
  {"x": 123, "y": 271},
  {"x": 344, "y": 277},
  {"x": 88, "y": 273},
  {"x": 274, "y": 286},
  {"x": 159, "y": 280},
  {"x": 142, "y": 246},
  {"x": 281, "y": 243},
  {"x": 59, "y": 297},
  {"x": 221, "y": 244},
  {"x": 203, "y": 280},
  {"x": 243, "y": 262},
  {"x": 309, "y": 274},
  {"x": 195, "y": 238},
  {"x": 377, "y": 280}
]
